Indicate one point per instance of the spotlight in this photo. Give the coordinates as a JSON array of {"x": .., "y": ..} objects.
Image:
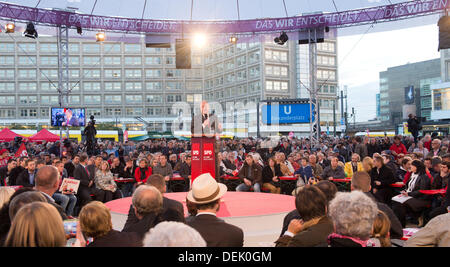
[
  {"x": 100, "y": 36},
  {"x": 282, "y": 39},
  {"x": 10, "y": 27},
  {"x": 79, "y": 30},
  {"x": 199, "y": 40},
  {"x": 30, "y": 31},
  {"x": 233, "y": 39}
]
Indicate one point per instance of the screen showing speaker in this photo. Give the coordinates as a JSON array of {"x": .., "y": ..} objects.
[{"x": 70, "y": 117}]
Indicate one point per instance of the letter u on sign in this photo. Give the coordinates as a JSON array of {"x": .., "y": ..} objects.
[{"x": 286, "y": 111}]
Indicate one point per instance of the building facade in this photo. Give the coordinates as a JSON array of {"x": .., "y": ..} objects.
[
  {"x": 117, "y": 81},
  {"x": 394, "y": 104}
]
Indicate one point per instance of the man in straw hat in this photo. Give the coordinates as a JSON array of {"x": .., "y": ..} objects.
[{"x": 206, "y": 194}]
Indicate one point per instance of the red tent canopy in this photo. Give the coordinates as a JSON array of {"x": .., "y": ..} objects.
[
  {"x": 6, "y": 135},
  {"x": 44, "y": 135}
]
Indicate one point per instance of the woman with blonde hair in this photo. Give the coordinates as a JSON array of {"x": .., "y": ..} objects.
[
  {"x": 104, "y": 181},
  {"x": 37, "y": 224},
  {"x": 380, "y": 231},
  {"x": 367, "y": 164},
  {"x": 5, "y": 194}
]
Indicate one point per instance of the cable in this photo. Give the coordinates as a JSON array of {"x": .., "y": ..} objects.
[
  {"x": 192, "y": 7},
  {"x": 37, "y": 4},
  {"x": 237, "y": 5},
  {"x": 335, "y": 7},
  {"x": 285, "y": 9},
  {"x": 145, "y": 4},
  {"x": 93, "y": 7}
]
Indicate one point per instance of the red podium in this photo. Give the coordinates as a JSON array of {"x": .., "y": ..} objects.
[{"x": 202, "y": 156}]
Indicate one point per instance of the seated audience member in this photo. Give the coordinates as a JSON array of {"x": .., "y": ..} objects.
[
  {"x": 173, "y": 160},
  {"x": 163, "y": 168},
  {"x": 353, "y": 215},
  {"x": 172, "y": 210},
  {"x": 116, "y": 167},
  {"x": 173, "y": 234},
  {"x": 397, "y": 148},
  {"x": 81, "y": 173},
  {"x": 314, "y": 227},
  {"x": 192, "y": 211},
  {"x": 390, "y": 163},
  {"x": 66, "y": 199},
  {"x": 361, "y": 182},
  {"x": 436, "y": 233},
  {"x": 279, "y": 157},
  {"x": 327, "y": 187},
  {"x": 223, "y": 170},
  {"x": 6, "y": 171},
  {"x": 353, "y": 166},
  {"x": 403, "y": 170},
  {"x": 317, "y": 168},
  {"x": 20, "y": 167},
  {"x": 95, "y": 222},
  {"x": 105, "y": 184},
  {"x": 250, "y": 173},
  {"x": 334, "y": 171},
  {"x": 305, "y": 172},
  {"x": 26, "y": 178},
  {"x": 37, "y": 224},
  {"x": 418, "y": 202},
  {"x": 142, "y": 172},
  {"x": 367, "y": 164},
  {"x": 270, "y": 174},
  {"x": 440, "y": 181},
  {"x": 5, "y": 195},
  {"x": 147, "y": 204},
  {"x": 23, "y": 199},
  {"x": 47, "y": 182},
  {"x": 382, "y": 177},
  {"x": 185, "y": 171},
  {"x": 206, "y": 194},
  {"x": 380, "y": 233}
]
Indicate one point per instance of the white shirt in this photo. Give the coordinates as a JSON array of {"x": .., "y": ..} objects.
[
  {"x": 412, "y": 182},
  {"x": 209, "y": 213}
]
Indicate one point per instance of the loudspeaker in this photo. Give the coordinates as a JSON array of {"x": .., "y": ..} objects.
[
  {"x": 183, "y": 53},
  {"x": 444, "y": 32},
  {"x": 318, "y": 33}
]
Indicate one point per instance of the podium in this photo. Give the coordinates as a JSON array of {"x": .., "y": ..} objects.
[{"x": 202, "y": 156}]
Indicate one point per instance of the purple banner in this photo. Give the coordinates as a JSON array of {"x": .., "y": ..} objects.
[{"x": 132, "y": 25}]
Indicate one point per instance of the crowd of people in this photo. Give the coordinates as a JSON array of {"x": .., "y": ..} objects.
[{"x": 383, "y": 197}]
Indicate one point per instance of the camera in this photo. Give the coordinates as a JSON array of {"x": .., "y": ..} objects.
[{"x": 92, "y": 121}]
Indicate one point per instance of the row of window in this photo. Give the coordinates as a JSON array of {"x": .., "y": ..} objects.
[
  {"x": 90, "y": 99},
  {"x": 242, "y": 89},
  {"x": 108, "y": 86},
  {"x": 229, "y": 51},
  {"x": 241, "y": 75},
  {"x": 96, "y": 73}
]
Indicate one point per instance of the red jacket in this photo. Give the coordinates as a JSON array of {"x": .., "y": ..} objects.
[
  {"x": 401, "y": 149},
  {"x": 137, "y": 174}
]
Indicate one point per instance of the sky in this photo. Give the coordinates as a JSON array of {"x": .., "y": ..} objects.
[{"x": 360, "y": 56}]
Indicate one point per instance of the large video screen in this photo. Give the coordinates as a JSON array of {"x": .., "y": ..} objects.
[{"x": 71, "y": 117}]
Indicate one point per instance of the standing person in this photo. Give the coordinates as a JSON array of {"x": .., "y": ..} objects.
[
  {"x": 373, "y": 147},
  {"x": 382, "y": 177},
  {"x": 413, "y": 126},
  {"x": 250, "y": 173},
  {"x": 360, "y": 148},
  {"x": 81, "y": 173},
  {"x": 206, "y": 194},
  {"x": 104, "y": 182},
  {"x": 270, "y": 174}
]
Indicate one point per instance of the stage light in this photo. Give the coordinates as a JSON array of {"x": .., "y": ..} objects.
[
  {"x": 30, "y": 31},
  {"x": 10, "y": 27},
  {"x": 282, "y": 39},
  {"x": 233, "y": 39},
  {"x": 199, "y": 40},
  {"x": 100, "y": 36}
]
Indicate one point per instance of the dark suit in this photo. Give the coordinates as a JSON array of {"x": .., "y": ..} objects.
[
  {"x": 14, "y": 175},
  {"x": 141, "y": 227},
  {"x": 24, "y": 179},
  {"x": 3, "y": 175},
  {"x": 172, "y": 210},
  {"x": 313, "y": 236},
  {"x": 216, "y": 232},
  {"x": 386, "y": 177},
  {"x": 117, "y": 239},
  {"x": 84, "y": 191}
]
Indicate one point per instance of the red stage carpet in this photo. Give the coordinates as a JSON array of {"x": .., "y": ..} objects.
[
  {"x": 234, "y": 204},
  {"x": 259, "y": 215}
]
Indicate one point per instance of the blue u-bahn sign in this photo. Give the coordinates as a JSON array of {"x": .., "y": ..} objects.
[{"x": 286, "y": 113}]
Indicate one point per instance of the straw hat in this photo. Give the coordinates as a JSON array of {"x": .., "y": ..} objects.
[{"x": 206, "y": 189}]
